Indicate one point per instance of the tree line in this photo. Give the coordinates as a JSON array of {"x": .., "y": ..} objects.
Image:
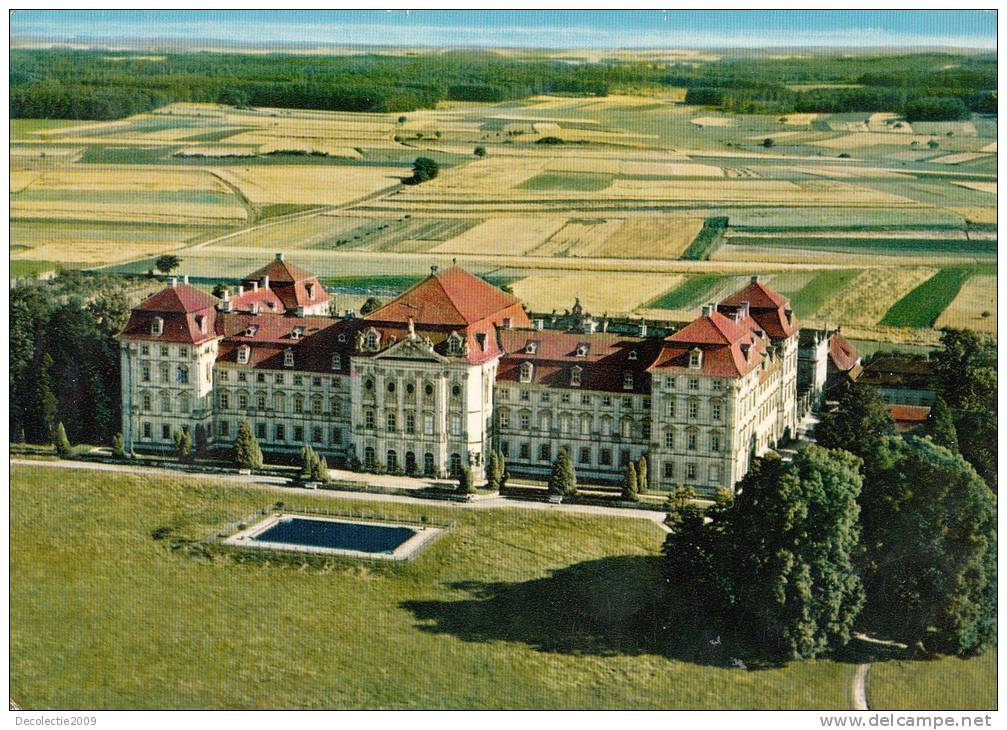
[{"x": 868, "y": 530}]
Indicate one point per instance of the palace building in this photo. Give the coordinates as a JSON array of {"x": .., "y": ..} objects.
[{"x": 454, "y": 368}]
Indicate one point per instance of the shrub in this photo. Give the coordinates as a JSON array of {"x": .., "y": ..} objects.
[
  {"x": 630, "y": 484},
  {"x": 118, "y": 452},
  {"x": 247, "y": 454},
  {"x": 549, "y": 140},
  {"x": 768, "y": 142},
  {"x": 183, "y": 446},
  {"x": 479, "y": 151},
  {"x": 466, "y": 484},
  {"x": 61, "y": 442},
  {"x": 563, "y": 479}
]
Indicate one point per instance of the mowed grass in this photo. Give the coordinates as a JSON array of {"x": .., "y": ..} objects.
[
  {"x": 580, "y": 181},
  {"x": 510, "y": 609},
  {"x": 923, "y": 305},
  {"x": 947, "y": 683},
  {"x": 825, "y": 285}
]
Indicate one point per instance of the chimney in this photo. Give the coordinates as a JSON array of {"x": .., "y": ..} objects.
[
  {"x": 227, "y": 295},
  {"x": 591, "y": 326},
  {"x": 707, "y": 310},
  {"x": 265, "y": 282},
  {"x": 537, "y": 324},
  {"x": 185, "y": 279},
  {"x": 279, "y": 256},
  {"x": 755, "y": 279},
  {"x": 255, "y": 286},
  {"x": 744, "y": 310},
  {"x": 241, "y": 289},
  {"x": 174, "y": 282},
  {"x": 433, "y": 269},
  {"x": 643, "y": 327}
]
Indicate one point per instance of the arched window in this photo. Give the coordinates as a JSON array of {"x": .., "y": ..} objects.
[
  {"x": 456, "y": 464},
  {"x": 391, "y": 460},
  {"x": 372, "y": 339},
  {"x": 279, "y": 402},
  {"x": 410, "y": 462},
  {"x": 298, "y": 404},
  {"x": 369, "y": 456},
  {"x": 183, "y": 402},
  {"x": 575, "y": 374},
  {"x": 165, "y": 403},
  {"x": 288, "y": 358},
  {"x": 428, "y": 463}
]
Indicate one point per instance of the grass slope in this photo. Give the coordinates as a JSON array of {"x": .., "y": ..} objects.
[
  {"x": 947, "y": 683},
  {"x": 510, "y": 609},
  {"x": 923, "y": 305},
  {"x": 691, "y": 291},
  {"x": 816, "y": 292},
  {"x": 708, "y": 240}
]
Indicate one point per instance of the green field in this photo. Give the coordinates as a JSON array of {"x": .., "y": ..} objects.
[
  {"x": 510, "y": 609},
  {"x": 942, "y": 684},
  {"x": 923, "y": 305},
  {"x": 821, "y": 288},
  {"x": 686, "y": 294},
  {"x": 19, "y": 269},
  {"x": 579, "y": 181},
  {"x": 880, "y": 246}
]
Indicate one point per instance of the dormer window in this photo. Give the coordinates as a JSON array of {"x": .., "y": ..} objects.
[
  {"x": 575, "y": 374},
  {"x": 201, "y": 323},
  {"x": 337, "y": 361},
  {"x": 372, "y": 339},
  {"x": 296, "y": 333},
  {"x": 311, "y": 291},
  {"x": 482, "y": 340},
  {"x": 342, "y": 337},
  {"x": 627, "y": 381},
  {"x": 582, "y": 349},
  {"x": 157, "y": 326},
  {"x": 632, "y": 355},
  {"x": 251, "y": 330},
  {"x": 288, "y": 358},
  {"x": 531, "y": 348},
  {"x": 243, "y": 354},
  {"x": 527, "y": 370},
  {"x": 695, "y": 359},
  {"x": 255, "y": 308},
  {"x": 455, "y": 344}
]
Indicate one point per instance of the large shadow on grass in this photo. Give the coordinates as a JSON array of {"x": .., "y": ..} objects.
[{"x": 611, "y": 606}]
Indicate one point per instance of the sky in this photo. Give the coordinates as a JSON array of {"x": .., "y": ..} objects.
[{"x": 526, "y": 28}]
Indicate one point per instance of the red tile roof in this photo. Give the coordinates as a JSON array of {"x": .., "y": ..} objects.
[
  {"x": 267, "y": 300},
  {"x": 288, "y": 283},
  {"x": 178, "y": 298},
  {"x": 452, "y": 297},
  {"x": 179, "y": 307},
  {"x": 758, "y": 296},
  {"x": 723, "y": 342},
  {"x": 906, "y": 417},
  {"x": 766, "y": 307},
  {"x": 842, "y": 353},
  {"x": 280, "y": 271}
]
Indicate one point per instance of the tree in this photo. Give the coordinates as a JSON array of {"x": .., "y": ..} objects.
[
  {"x": 630, "y": 484},
  {"x": 424, "y": 169},
  {"x": 110, "y": 312},
  {"x": 201, "y": 440},
  {"x": 247, "y": 454},
  {"x": 307, "y": 462},
  {"x": 479, "y": 151},
  {"x": 44, "y": 422},
  {"x": 493, "y": 472},
  {"x": 167, "y": 263},
  {"x": 563, "y": 478},
  {"x": 504, "y": 474},
  {"x": 183, "y": 446},
  {"x": 641, "y": 475},
  {"x": 940, "y": 427},
  {"x": 320, "y": 470},
  {"x": 466, "y": 483},
  {"x": 929, "y": 536},
  {"x": 966, "y": 370},
  {"x": 856, "y": 424},
  {"x": 371, "y": 305},
  {"x": 724, "y": 497},
  {"x": 679, "y": 505},
  {"x": 768, "y": 142},
  {"x": 118, "y": 450},
  {"x": 62, "y": 443}
]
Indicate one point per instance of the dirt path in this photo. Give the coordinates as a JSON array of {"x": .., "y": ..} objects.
[
  {"x": 280, "y": 484},
  {"x": 860, "y": 687}
]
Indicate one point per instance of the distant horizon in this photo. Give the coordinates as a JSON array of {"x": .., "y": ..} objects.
[{"x": 523, "y": 29}]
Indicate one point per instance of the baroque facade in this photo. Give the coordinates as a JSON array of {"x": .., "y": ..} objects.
[{"x": 453, "y": 368}]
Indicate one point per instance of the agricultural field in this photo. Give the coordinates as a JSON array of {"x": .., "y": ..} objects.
[{"x": 621, "y": 184}]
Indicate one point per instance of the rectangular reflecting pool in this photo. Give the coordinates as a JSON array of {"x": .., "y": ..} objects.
[{"x": 334, "y": 536}]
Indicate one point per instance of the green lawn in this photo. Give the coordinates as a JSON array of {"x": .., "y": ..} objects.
[
  {"x": 580, "y": 181},
  {"x": 943, "y": 684},
  {"x": 510, "y": 609},
  {"x": 923, "y": 305},
  {"x": 21, "y": 268},
  {"x": 824, "y": 286}
]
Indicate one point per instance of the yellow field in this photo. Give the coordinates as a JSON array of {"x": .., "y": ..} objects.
[
  {"x": 991, "y": 147},
  {"x": 867, "y": 298},
  {"x": 154, "y": 212},
  {"x": 982, "y": 214},
  {"x": 304, "y": 184},
  {"x": 958, "y": 158},
  {"x": 803, "y": 120},
  {"x": 652, "y": 238},
  {"x": 90, "y": 251},
  {"x": 867, "y": 139},
  {"x": 599, "y": 292},
  {"x": 513, "y": 236},
  {"x": 977, "y": 296},
  {"x": 982, "y": 187},
  {"x": 579, "y": 237},
  {"x": 154, "y": 178},
  {"x": 712, "y": 122}
]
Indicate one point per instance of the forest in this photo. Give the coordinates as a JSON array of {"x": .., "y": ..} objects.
[{"x": 70, "y": 84}]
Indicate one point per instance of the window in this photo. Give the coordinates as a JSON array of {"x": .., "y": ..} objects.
[
  {"x": 525, "y": 395},
  {"x": 369, "y": 459},
  {"x": 626, "y": 428},
  {"x": 456, "y": 425},
  {"x": 717, "y": 384},
  {"x": 372, "y": 339},
  {"x": 505, "y": 448},
  {"x": 669, "y": 440},
  {"x": 145, "y": 350},
  {"x": 545, "y": 452},
  {"x": 145, "y": 401},
  {"x": 606, "y": 426},
  {"x": 693, "y": 409},
  {"x": 298, "y": 434},
  {"x": 165, "y": 403},
  {"x": 316, "y": 405},
  {"x": 337, "y": 361},
  {"x": 368, "y": 419},
  {"x": 392, "y": 460},
  {"x": 165, "y": 431},
  {"x": 606, "y": 401},
  {"x": 410, "y": 423},
  {"x": 624, "y": 457},
  {"x": 670, "y": 404},
  {"x": 260, "y": 377},
  {"x": 670, "y": 383},
  {"x": 545, "y": 397},
  {"x": 564, "y": 398},
  {"x": 504, "y": 419},
  {"x": 645, "y": 429},
  {"x": 222, "y": 375},
  {"x": 525, "y": 451},
  {"x": 298, "y": 380},
  {"x": 260, "y": 430},
  {"x": 260, "y": 401},
  {"x": 693, "y": 383},
  {"x": 605, "y": 457},
  {"x": 715, "y": 473},
  {"x": 627, "y": 381},
  {"x": 525, "y": 419},
  {"x": 456, "y": 464},
  {"x": 455, "y": 344},
  {"x": 690, "y": 441},
  {"x": 183, "y": 374},
  {"x": 157, "y": 326},
  {"x": 545, "y": 421},
  {"x": 531, "y": 348},
  {"x": 410, "y": 462},
  {"x": 715, "y": 410},
  {"x": 336, "y": 406},
  {"x": 147, "y": 434},
  {"x": 527, "y": 370},
  {"x": 298, "y": 405},
  {"x": 714, "y": 442},
  {"x": 278, "y": 379},
  {"x": 243, "y": 401},
  {"x": 225, "y": 429},
  {"x": 428, "y": 463},
  {"x": 316, "y": 382},
  {"x": 280, "y": 432},
  {"x": 585, "y": 400},
  {"x": 632, "y": 355},
  {"x": 242, "y": 377},
  {"x": 145, "y": 372},
  {"x": 164, "y": 351},
  {"x": 456, "y": 391},
  {"x": 690, "y": 471},
  {"x": 337, "y": 436},
  {"x": 564, "y": 423},
  {"x": 391, "y": 422},
  {"x": 696, "y": 359},
  {"x": 183, "y": 403},
  {"x": 582, "y": 349},
  {"x": 627, "y": 402},
  {"x": 585, "y": 425},
  {"x": 503, "y": 393},
  {"x": 369, "y": 385},
  {"x": 669, "y": 470},
  {"x": 575, "y": 374}
]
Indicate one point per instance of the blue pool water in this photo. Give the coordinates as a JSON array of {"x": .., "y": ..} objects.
[{"x": 336, "y": 535}]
